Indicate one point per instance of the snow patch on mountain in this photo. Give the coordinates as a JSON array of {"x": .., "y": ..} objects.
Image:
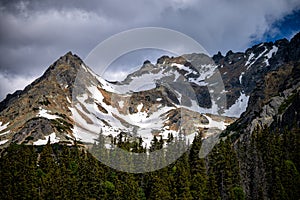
[
  {"x": 104, "y": 84},
  {"x": 89, "y": 119},
  {"x": 53, "y": 139},
  {"x": 3, "y": 142},
  {"x": 272, "y": 52},
  {"x": 241, "y": 76},
  {"x": 205, "y": 72},
  {"x": 215, "y": 124},
  {"x": 4, "y": 126},
  {"x": 182, "y": 67},
  {"x": 44, "y": 113},
  {"x": 6, "y": 132},
  {"x": 238, "y": 107},
  {"x": 261, "y": 54},
  {"x": 139, "y": 83},
  {"x": 82, "y": 134},
  {"x": 250, "y": 61},
  {"x": 121, "y": 104}
]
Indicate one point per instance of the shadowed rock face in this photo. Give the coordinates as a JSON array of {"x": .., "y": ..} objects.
[{"x": 273, "y": 102}]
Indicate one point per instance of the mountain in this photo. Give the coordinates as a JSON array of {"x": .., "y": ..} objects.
[
  {"x": 266, "y": 136},
  {"x": 24, "y": 114},
  {"x": 70, "y": 102},
  {"x": 253, "y": 114}
]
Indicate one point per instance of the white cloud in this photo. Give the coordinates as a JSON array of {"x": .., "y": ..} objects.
[{"x": 9, "y": 84}]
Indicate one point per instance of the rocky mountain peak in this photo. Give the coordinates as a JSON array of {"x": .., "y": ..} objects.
[
  {"x": 42, "y": 108},
  {"x": 63, "y": 71},
  {"x": 218, "y": 56},
  {"x": 69, "y": 63},
  {"x": 168, "y": 60},
  {"x": 69, "y": 59}
]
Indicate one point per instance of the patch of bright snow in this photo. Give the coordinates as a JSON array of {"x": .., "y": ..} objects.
[
  {"x": 6, "y": 132},
  {"x": 249, "y": 62},
  {"x": 205, "y": 72},
  {"x": 182, "y": 67},
  {"x": 241, "y": 76},
  {"x": 3, "y": 142},
  {"x": 214, "y": 124},
  {"x": 44, "y": 113},
  {"x": 270, "y": 54},
  {"x": 52, "y": 137},
  {"x": 238, "y": 107},
  {"x": 4, "y": 126},
  {"x": 121, "y": 104},
  {"x": 139, "y": 83},
  {"x": 139, "y": 107}
]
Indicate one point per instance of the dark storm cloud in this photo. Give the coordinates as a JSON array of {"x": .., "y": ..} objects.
[{"x": 35, "y": 33}]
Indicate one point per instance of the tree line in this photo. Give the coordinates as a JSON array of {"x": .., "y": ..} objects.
[{"x": 57, "y": 171}]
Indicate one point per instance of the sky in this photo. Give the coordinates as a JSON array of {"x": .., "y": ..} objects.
[{"x": 33, "y": 34}]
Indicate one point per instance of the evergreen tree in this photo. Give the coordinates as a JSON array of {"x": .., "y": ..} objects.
[{"x": 198, "y": 170}]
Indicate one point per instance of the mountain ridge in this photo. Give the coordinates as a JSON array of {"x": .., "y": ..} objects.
[{"x": 242, "y": 74}]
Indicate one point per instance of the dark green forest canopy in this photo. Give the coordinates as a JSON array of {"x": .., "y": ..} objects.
[{"x": 62, "y": 172}]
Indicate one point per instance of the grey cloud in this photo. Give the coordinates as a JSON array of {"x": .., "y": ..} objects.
[
  {"x": 35, "y": 33},
  {"x": 9, "y": 83},
  {"x": 31, "y": 42}
]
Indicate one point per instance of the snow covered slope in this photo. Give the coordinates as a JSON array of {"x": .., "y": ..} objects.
[
  {"x": 175, "y": 95},
  {"x": 100, "y": 106}
]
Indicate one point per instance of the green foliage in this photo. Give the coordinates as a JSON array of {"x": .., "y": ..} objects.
[
  {"x": 238, "y": 193},
  {"x": 63, "y": 172},
  {"x": 109, "y": 186},
  {"x": 279, "y": 155}
]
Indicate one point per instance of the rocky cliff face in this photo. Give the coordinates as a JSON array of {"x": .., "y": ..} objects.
[
  {"x": 274, "y": 109},
  {"x": 272, "y": 100}
]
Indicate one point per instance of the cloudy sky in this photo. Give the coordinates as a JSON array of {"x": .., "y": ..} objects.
[{"x": 34, "y": 33}]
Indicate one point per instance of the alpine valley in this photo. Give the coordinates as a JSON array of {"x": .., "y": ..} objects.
[{"x": 252, "y": 116}]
